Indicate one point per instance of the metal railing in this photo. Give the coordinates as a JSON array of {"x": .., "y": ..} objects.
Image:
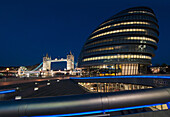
[{"x": 85, "y": 104}]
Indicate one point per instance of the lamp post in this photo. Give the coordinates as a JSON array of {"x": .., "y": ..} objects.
[
  {"x": 7, "y": 69},
  {"x": 40, "y": 73}
]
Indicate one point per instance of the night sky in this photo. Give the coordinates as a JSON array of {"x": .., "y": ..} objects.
[{"x": 31, "y": 28}]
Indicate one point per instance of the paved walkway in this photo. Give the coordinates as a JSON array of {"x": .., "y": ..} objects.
[{"x": 10, "y": 81}]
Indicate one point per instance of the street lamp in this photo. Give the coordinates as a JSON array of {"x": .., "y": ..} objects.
[{"x": 7, "y": 69}]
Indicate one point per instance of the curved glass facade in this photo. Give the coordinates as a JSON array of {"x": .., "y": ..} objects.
[{"x": 122, "y": 45}]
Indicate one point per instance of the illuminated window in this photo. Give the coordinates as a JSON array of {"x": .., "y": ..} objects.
[
  {"x": 103, "y": 49},
  {"x": 141, "y": 12},
  {"x": 117, "y": 56},
  {"x": 127, "y": 38},
  {"x": 106, "y": 22},
  {"x": 117, "y": 31},
  {"x": 122, "y": 23}
]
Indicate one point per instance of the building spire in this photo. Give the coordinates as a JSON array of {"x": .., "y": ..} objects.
[
  {"x": 70, "y": 52},
  {"x": 47, "y": 55}
]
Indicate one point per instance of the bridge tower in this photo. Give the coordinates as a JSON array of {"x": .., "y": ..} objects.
[
  {"x": 70, "y": 61},
  {"x": 46, "y": 63}
]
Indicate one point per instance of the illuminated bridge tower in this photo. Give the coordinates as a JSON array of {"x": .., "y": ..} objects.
[
  {"x": 122, "y": 45},
  {"x": 46, "y": 63},
  {"x": 70, "y": 61}
]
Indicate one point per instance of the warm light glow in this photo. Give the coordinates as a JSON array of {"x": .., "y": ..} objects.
[
  {"x": 141, "y": 12},
  {"x": 125, "y": 38},
  {"x": 116, "y": 57},
  {"x": 106, "y": 22},
  {"x": 119, "y": 31},
  {"x": 122, "y": 23},
  {"x": 103, "y": 49}
]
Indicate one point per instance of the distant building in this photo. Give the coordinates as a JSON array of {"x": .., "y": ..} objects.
[
  {"x": 70, "y": 61},
  {"x": 159, "y": 69},
  {"x": 122, "y": 45},
  {"x": 46, "y": 63}
]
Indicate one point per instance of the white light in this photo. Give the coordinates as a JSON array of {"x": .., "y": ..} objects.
[
  {"x": 36, "y": 88},
  {"x": 48, "y": 83},
  {"x": 18, "y": 97}
]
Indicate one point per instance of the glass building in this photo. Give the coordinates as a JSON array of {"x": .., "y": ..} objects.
[{"x": 122, "y": 45}]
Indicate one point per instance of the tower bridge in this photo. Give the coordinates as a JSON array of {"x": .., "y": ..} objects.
[
  {"x": 47, "y": 62},
  {"x": 44, "y": 68}
]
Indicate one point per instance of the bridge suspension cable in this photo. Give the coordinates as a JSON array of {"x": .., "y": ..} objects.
[{"x": 37, "y": 67}]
